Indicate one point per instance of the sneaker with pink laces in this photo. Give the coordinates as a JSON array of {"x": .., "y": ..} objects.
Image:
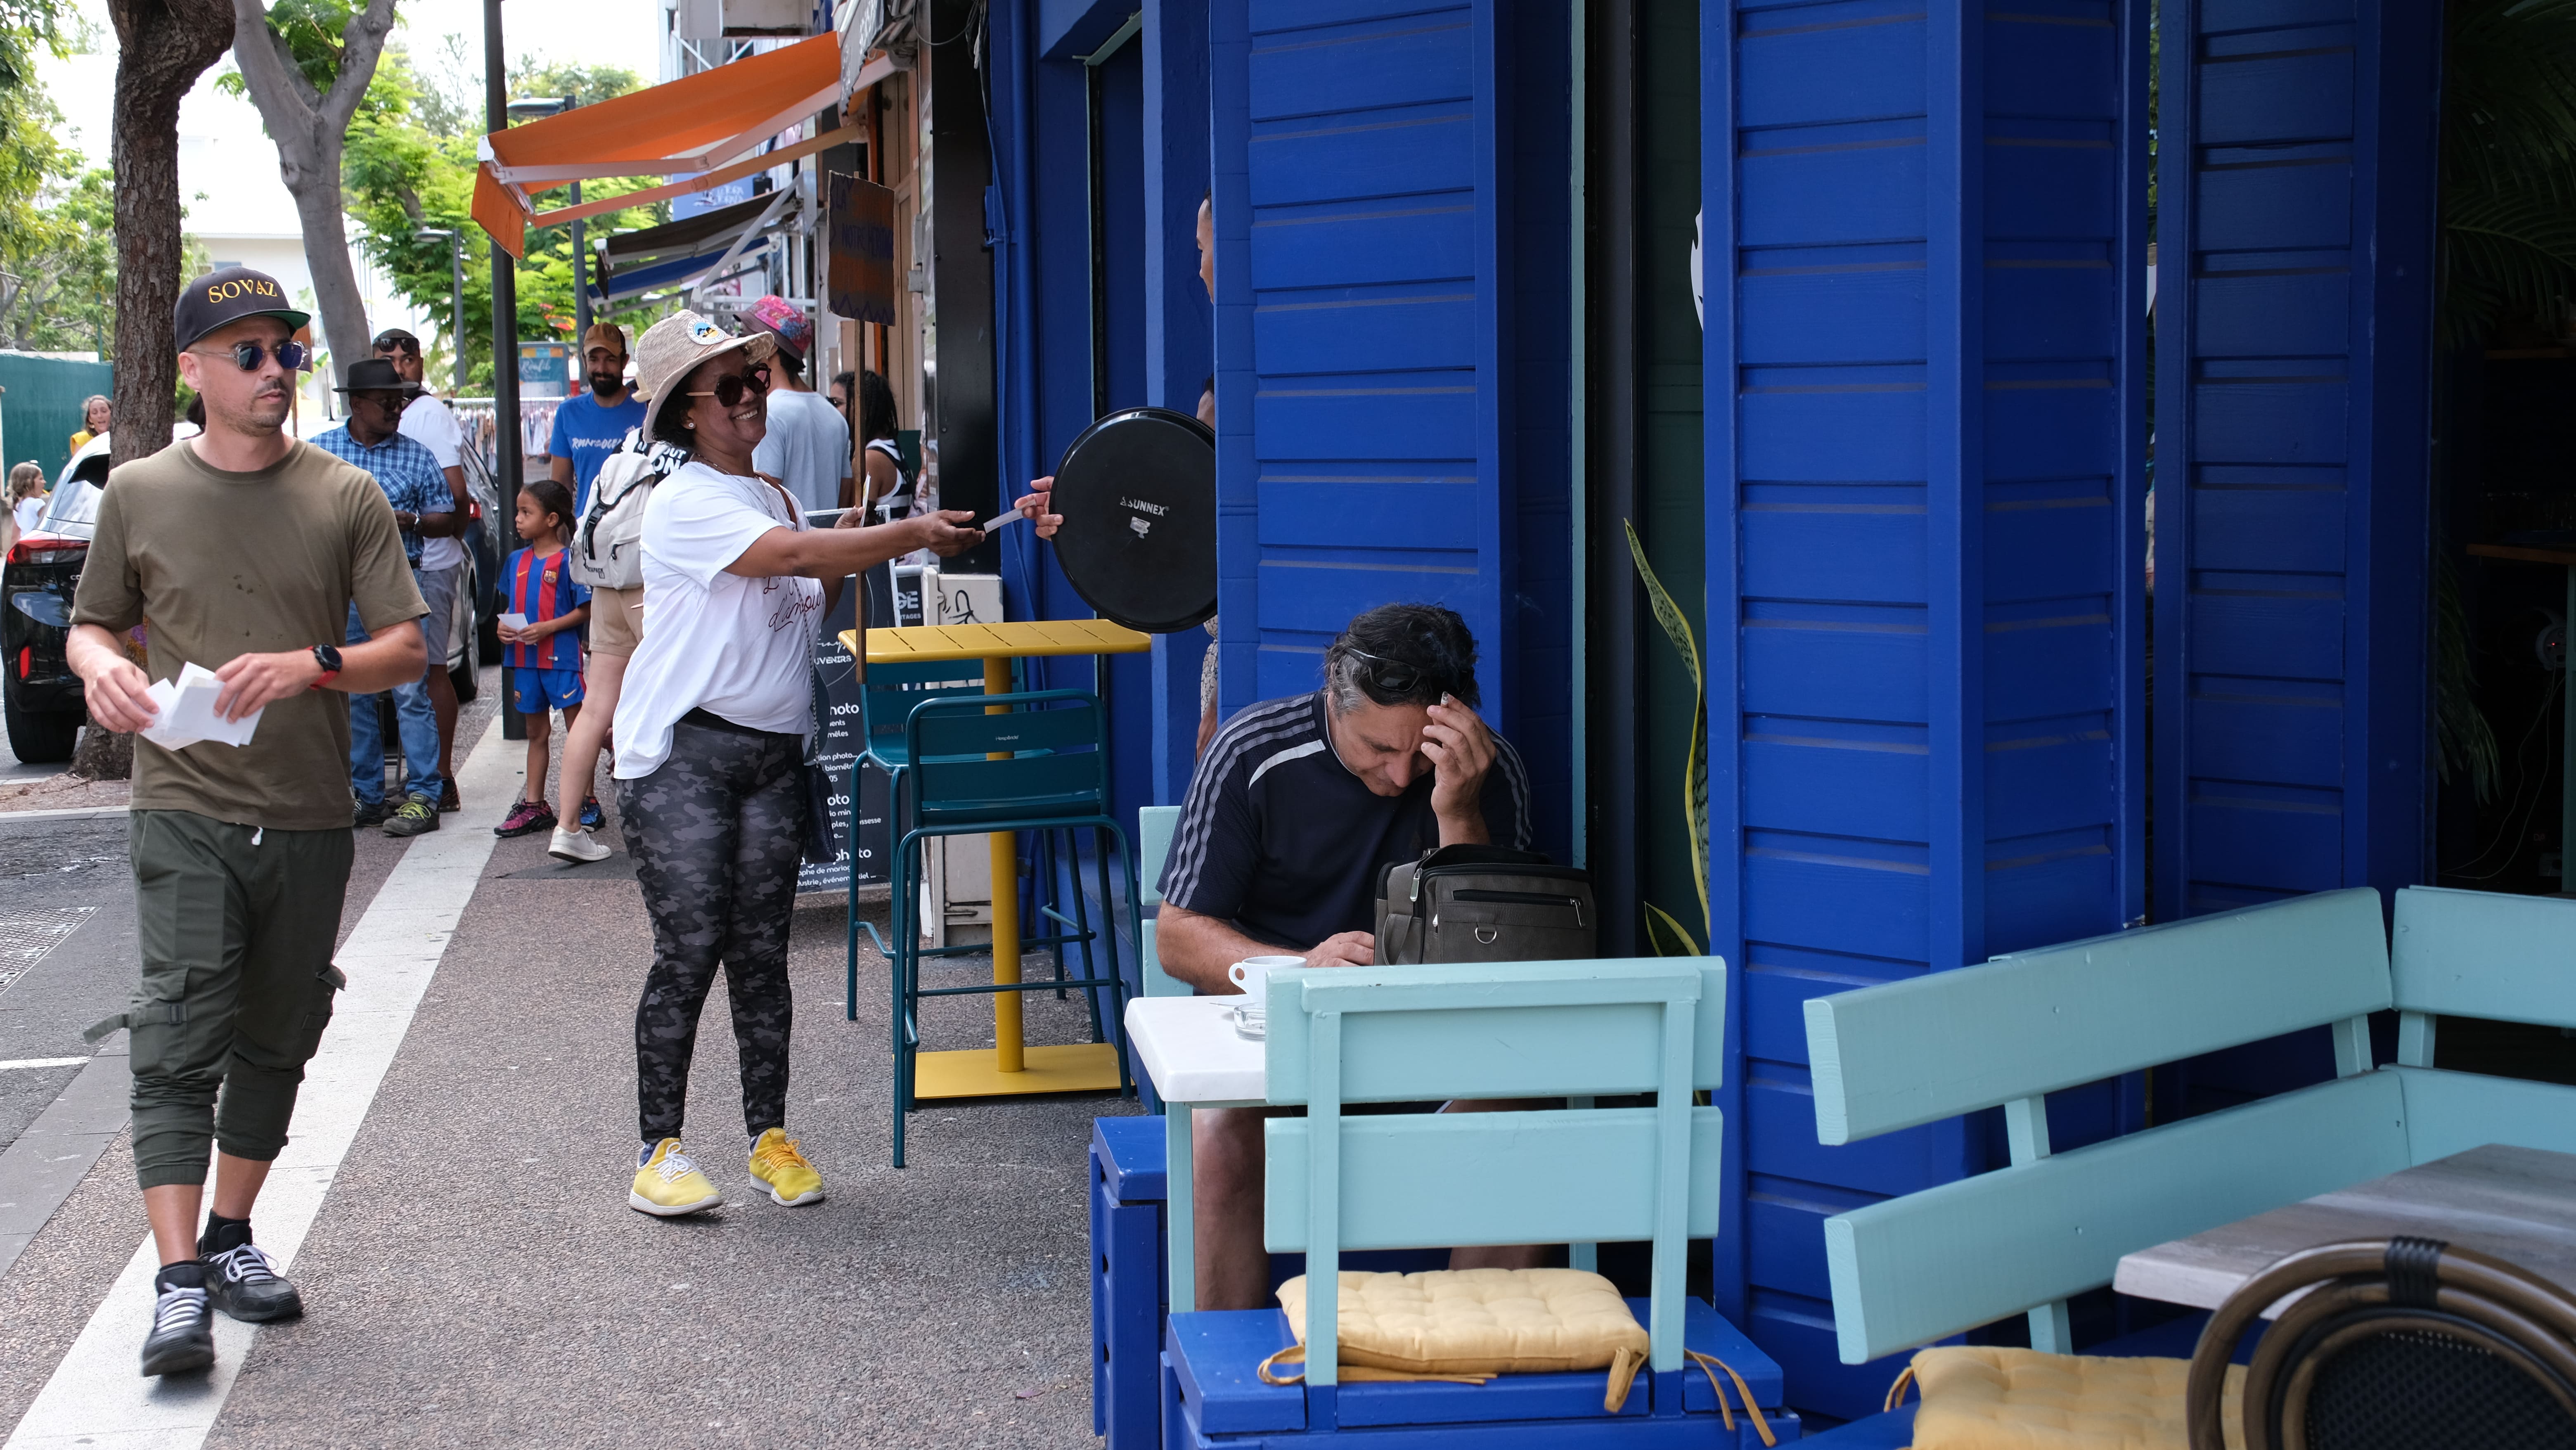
[{"x": 526, "y": 818}]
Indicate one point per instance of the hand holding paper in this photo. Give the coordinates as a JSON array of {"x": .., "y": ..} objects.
[{"x": 187, "y": 706}]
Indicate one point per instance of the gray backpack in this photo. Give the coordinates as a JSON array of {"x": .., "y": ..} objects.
[{"x": 1484, "y": 904}]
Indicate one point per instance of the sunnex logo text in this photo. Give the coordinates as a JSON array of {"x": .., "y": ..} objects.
[
  {"x": 1157, "y": 510},
  {"x": 240, "y": 287}
]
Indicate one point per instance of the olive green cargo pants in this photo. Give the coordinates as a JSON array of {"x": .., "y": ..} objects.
[{"x": 237, "y": 927}]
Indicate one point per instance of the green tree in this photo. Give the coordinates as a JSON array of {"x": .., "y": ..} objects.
[{"x": 410, "y": 163}]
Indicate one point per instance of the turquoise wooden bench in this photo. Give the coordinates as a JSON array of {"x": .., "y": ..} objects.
[
  {"x": 2021, "y": 1239},
  {"x": 1336, "y": 1184}
]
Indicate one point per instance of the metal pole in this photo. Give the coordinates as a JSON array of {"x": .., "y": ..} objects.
[
  {"x": 456, "y": 320},
  {"x": 507, "y": 460},
  {"x": 580, "y": 277}
]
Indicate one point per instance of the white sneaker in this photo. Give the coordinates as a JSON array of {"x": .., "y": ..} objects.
[{"x": 576, "y": 847}]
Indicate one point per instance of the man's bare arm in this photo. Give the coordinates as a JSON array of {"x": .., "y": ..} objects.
[{"x": 1197, "y": 949}]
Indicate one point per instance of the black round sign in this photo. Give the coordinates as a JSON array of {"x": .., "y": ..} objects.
[{"x": 1138, "y": 495}]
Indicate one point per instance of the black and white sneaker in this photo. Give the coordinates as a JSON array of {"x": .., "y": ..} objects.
[
  {"x": 244, "y": 1283},
  {"x": 182, "y": 1340}
]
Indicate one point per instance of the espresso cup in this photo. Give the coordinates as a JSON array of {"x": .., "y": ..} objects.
[{"x": 1252, "y": 975}]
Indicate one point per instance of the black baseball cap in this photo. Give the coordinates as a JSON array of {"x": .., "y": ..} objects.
[{"x": 228, "y": 295}]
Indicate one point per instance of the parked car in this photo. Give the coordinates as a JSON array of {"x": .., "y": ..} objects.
[{"x": 39, "y": 695}]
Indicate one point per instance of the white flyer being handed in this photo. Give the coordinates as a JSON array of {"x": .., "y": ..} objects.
[{"x": 187, "y": 712}]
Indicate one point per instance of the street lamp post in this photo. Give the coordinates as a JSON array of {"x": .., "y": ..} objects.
[
  {"x": 456, "y": 318},
  {"x": 555, "y": 106}
]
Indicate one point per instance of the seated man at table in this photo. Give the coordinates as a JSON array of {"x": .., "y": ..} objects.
[{"x": 1299, "y": 806}]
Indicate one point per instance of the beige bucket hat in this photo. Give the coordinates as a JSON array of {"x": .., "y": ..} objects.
[{"x": 672, "y": 348}]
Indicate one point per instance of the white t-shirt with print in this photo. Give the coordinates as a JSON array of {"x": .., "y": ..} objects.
[
  {"x": 737, "y": 647},
  {"x": 808, "y": 448},
  {"x": 432, "y": 424}
]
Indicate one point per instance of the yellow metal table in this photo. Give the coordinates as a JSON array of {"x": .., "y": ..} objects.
[{"x": 1009, "y": 1067}]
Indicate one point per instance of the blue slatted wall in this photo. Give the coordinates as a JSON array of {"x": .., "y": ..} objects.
[
  {"x": 1360, "y": 428},
  {"x": 2292, "y": 515},
  {"x": 1925, "y": 392}
]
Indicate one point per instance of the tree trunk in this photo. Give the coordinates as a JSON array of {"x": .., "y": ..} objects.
[
  {"x": 310, "y": 129},
  {"x": 163, "y": 46},
  {"x": 310, "y": 165}
]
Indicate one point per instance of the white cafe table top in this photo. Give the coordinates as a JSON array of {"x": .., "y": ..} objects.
[
  {"x": 2518, "y": 1204},
  {"x": 1192, "y": 1053}
]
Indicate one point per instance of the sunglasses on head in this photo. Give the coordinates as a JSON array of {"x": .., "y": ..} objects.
[
  {"x": 406, "y": 346},
  {"x": 249, "y": 355},
  {"x": 1393, "y": 677},
  {"x": 729, "y": 389}
]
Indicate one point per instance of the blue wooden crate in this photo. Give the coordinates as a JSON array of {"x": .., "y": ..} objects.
[{"x": 1130, "y": 1290}]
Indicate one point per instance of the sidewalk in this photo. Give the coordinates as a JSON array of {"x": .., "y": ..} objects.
[{"x": 474, "y": 1276}]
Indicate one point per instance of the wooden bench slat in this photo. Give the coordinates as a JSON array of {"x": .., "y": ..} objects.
[
  {"x": 1919, "y": 1268},
  {"x": 1936, "y": 1046},
  {"x": 2486, "y": 954}
]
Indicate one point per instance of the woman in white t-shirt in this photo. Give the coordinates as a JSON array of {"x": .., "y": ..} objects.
[{"x": 710, "y": 729}]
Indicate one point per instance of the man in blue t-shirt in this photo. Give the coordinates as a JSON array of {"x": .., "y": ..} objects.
[{"x": 589, "y": 428}]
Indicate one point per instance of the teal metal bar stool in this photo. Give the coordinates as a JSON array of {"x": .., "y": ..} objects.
[
  {"x": 983, "y": 765},
  {"x": 886, "y": 697}
]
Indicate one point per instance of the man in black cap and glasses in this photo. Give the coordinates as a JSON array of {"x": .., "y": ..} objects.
[
  {"x": 1298, "y": 807},
  {"x": 247, "y": 549}
]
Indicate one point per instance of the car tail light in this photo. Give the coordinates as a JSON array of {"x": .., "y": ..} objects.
[
  {"x": 26, "y": 660},
  {"x": 48, "y": 549}
]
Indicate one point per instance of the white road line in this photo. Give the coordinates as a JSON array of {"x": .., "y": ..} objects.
[
  {"x": 16, "y": 1063},
  {"x": 97, "y": 1397}
]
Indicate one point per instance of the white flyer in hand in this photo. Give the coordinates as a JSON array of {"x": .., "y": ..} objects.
[
  {"x": 513, "y": 620},
  {"x": 187, "y": 712}
]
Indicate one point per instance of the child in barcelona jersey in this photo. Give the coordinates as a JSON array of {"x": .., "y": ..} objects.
[{"x": 544, "y": 652}]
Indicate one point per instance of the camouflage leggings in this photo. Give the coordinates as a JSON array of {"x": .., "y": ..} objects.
[{"x": 716, "y": 835}]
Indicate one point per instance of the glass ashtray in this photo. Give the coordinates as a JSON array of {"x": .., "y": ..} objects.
[{"x": 1252, "y": 1019}]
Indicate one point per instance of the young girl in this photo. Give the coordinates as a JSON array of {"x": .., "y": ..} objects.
[
  {"x": 545, "y": 653},
  {"x": 27, "y": 496}
]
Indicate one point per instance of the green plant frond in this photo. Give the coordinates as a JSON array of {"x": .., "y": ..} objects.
[
  {"x": 1667, "y": 613},
  {"x": 1666, "y": 935}
]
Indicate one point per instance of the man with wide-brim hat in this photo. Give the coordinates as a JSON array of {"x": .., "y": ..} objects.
[
  {"x": 710, "y": 734},
  {"x": 250, "y": 551},
  {"x": 372, "y": 439}
]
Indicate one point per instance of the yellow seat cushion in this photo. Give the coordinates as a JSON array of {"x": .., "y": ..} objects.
[
  {"x": 1477, "y": 1321},
  {"x": 1980, "y": 1398}
]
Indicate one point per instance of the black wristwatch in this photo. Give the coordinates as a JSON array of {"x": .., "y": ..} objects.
[{"x": 328, "y": 657}]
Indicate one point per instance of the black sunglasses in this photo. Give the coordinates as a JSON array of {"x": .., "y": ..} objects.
[
  {"x": 1393, "y": 677},
  {"x": 407, "y": 346},
  {"x": 249, "y": 355},
  {"x": 729, "y": 389}
]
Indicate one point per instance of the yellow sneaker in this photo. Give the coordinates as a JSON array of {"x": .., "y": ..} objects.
[
  {"x": 776, "y": 1164},
  {"x": 669, "y": 1183}
]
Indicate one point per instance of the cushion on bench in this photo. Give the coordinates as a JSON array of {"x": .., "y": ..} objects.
[{"x": 1978, "y": 1397}]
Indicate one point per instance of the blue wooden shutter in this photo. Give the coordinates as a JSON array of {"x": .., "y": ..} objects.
[
  {"x": 1359, "y": 401},
  {"x": 1925, "y": 353},
  {"x": 2296, "y": 245}
]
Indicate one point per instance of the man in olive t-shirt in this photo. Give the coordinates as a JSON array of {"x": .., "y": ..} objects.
[{"x": 245, "y": 550}]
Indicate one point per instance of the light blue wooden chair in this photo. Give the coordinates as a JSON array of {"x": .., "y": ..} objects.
[
  {"x": 2022, "y": 1239},
  {"x": 1154, "y": 827},
  {"x": 1337, "y": 1183}
]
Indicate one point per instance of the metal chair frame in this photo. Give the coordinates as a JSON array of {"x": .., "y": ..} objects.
[
  {"x": 1085, "y": 806},
  {"x": 2357, "y": 1291}
]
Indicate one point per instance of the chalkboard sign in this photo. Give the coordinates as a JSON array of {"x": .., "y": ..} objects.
[{"x": 860, "y": 825}]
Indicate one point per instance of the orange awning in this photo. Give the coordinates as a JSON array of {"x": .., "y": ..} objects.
[{"x": 696, "y": 123}]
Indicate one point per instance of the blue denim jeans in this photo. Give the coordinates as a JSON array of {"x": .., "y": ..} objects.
[{"x": 413, "y": 718}]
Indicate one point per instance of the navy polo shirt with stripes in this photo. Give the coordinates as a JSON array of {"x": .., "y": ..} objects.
[{"x": 1280, "y": 838}]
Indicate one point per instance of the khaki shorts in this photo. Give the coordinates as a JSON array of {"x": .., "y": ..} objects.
[{"x": 616, "y": 620}]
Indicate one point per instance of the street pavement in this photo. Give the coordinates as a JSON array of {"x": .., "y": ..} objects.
[{"x": 474, "y": 1276}]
